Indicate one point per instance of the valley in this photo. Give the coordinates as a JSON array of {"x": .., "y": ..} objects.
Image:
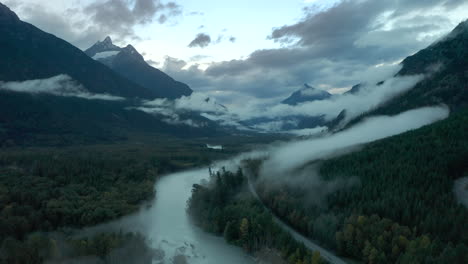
[{"x": 340, "y": 136}]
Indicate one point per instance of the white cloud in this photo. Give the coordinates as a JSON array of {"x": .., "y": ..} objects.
[
  {"x": 272, "y": 116},
  {"x": 307, "y": 131},
  {"x": 369, "y": 97},
  {"x": 294, "y": 155},
  {"x": 60, "y": 85},
  {"x": 173, "y": 110}
]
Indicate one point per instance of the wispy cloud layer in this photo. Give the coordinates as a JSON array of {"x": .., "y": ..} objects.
[
  {"x": 273, "y": 116},
  {"x": 294, "y": 155},
  {"x": 60, "y": 85}
]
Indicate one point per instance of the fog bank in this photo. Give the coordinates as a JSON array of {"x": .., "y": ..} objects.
[
  {"x": 269, "y": 115},
  {"x": 294, "y": 155}
]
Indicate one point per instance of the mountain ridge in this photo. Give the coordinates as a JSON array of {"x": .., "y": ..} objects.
[
  {"x": 443, "y": 63},
  {"x": 29, "y": 53},
  {"x": 306, "y": 94},
  {"x": 35, "y": 115},
  {"x": 130, "y": 64}
]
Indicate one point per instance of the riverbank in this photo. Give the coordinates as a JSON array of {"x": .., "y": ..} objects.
[
  {"x": 224, "y": 206},
  {"x": 49, "y": 190}
]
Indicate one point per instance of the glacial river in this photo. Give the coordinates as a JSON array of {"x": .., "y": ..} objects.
[
  {"x": 165, "y": 223},
  {"x": 168, "y": 228},
  {"x": 171, "y": 229}
]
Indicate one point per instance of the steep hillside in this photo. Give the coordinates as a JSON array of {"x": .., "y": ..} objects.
[
  {"x": 445, "y": 65},
  {"x": 29, "y": 53},
  {"x": 306, "y": 94},
  {"x": 401, "y": 207},
  {"x": 41, "y": 119},
  {"x": 131, "y": 65}
]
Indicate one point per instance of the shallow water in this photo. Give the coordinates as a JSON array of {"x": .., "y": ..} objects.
[
  {"x": 171, "y": 229},
  {"x": 165, "y": 223}
]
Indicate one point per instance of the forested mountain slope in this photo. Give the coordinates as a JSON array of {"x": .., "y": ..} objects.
[
  {"x": 29, "y": 53},
  {"x": 444, "y": 63},
  {"x": 131, "y": 65},
  {"x": 32, "y": 60},
  {"x": 402, "y": 210}
]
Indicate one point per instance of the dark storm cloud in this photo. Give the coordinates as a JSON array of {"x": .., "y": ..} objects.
[{"x": 202, "y": 40}]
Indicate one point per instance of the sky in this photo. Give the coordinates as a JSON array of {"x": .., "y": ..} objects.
[{"x": 244, "y": 50}]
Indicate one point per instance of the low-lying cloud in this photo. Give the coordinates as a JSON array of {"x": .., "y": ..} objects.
[
  {"x": 291, "y": 156},
  {"x": 173, "y": 111},
  {"x": 369, "y": 97},
  {"x": 269, "y": 115},
  {"x": 60, "y": 85},
  {"x": 296, "y": 164}
]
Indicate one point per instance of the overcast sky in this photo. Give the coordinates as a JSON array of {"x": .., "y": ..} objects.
[{"x": 245, "y": 49}]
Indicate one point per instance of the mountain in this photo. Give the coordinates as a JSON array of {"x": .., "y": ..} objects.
[
  {"x": 131, "y": 65},
  {"x": 89, "y": 102},
  {"x": 48, "y": 120},
  {"x": 306, "y": 94},
  {"x": 293, "y": 122},
  {"x": 296, "y": 121},
  {"x": 444, "y": 63},
  {"x": 29, "y": 53},
  {"x": 355, "y": 89}
]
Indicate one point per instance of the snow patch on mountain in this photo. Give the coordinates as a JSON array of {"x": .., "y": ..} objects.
[
  {"x": 105, "y": 54},
  {"x": 312, "y": 92}
]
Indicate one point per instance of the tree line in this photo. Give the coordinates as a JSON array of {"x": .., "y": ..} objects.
[
  {"x": 44, "y": 191},
  {"x": 224, "y": 206},
  {"x": 404, "y": 192}
]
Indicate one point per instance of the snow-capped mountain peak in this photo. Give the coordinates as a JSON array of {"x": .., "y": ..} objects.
[
  {"x": 129, "y": 63},
  {"x": 105, "y": 55}
]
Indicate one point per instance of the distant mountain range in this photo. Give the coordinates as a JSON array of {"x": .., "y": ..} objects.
[
  {"x": 131, "y": 65},
  {"x": 97, "y": 103},
  {"x": 306, "y": 94}
]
